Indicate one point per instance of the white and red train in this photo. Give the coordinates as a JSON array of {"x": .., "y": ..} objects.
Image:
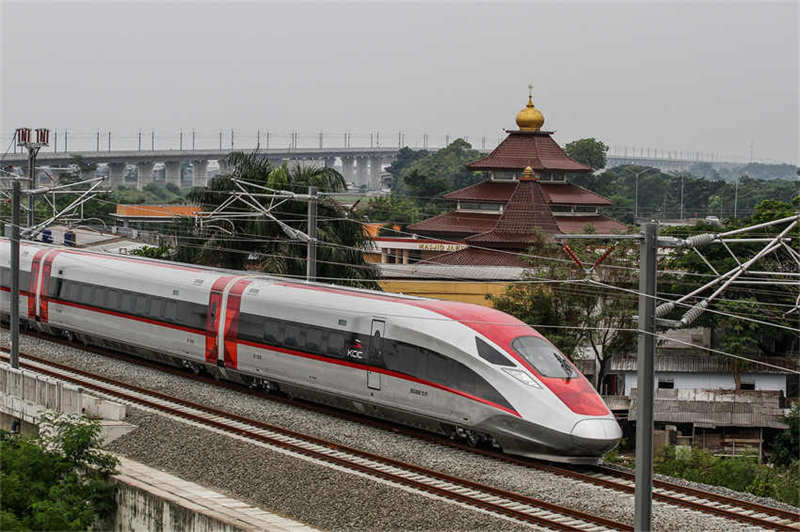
[{"x": 455, "y": 368}]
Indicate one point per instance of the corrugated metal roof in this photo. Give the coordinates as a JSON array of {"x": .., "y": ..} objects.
[
  {"x": 716, "y": 408},
  {"x": 689, "y": 361},
  {"x": 157, "y": 211}
]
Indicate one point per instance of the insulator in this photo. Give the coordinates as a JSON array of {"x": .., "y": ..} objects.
[
  {"x": 700, "y": 240},
  {"x": 694, "y": 313},
  {"x": 664, "y": 309}
]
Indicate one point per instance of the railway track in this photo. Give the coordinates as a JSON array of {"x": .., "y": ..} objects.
[
  {"x": 745, "y": 512},
  {"x": 473, "y": 494}
]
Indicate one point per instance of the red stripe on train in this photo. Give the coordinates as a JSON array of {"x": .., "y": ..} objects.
[
  {"x": 212, "y": 317},
  {"x": 232, "y": 322},
  {"x": 47, "y": 268},
  {"x": 33, "y": 281}
]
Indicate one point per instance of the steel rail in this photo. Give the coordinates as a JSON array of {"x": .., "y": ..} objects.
[
  {"x": 675, "y": 500},
  {"x": 495, "y": 500}
]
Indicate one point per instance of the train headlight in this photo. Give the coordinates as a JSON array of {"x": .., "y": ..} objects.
[{"x": 522, "y": 376}]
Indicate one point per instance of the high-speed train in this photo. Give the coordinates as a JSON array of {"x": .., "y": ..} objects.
[{"x": 463, "y": 370}]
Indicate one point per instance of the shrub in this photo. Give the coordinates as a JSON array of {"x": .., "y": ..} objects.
[{"x": 58, "y": 481}]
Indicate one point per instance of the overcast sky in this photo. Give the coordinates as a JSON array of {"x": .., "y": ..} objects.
[{"x": 714, "y": 77}]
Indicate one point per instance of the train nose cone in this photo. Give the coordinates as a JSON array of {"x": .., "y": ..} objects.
[{"x": 598, "y": 435}]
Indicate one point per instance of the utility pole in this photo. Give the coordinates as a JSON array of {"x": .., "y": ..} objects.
[
  {"x": 109, "y": 141},
  {"x": 140, "y": 141},
  {"x": 152, "y": 141},
  {"x": 735, "y": 197},
  {"x": 645, "y": 377},
  {"x": 23, "y": 138},
  {"x": 66, "y": 136},
  {"x": 180, "y": 140},
  {"x": 311, "y": 244},
  {"x": 14, "y": 311},
  {"x": 645, "y": 364}
]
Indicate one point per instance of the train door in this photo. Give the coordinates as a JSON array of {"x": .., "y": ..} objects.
[{"x": 375, "y": 353}]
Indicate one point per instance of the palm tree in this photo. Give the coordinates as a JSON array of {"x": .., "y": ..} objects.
[{"x": 260, "y": 243}]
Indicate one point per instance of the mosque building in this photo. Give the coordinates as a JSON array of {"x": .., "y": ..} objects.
[{"x": 526, "y": 195}]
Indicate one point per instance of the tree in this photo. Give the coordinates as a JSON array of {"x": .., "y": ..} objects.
[
  {"x": 577, "y": 316},
  {"x": 260, "y": 243},
  {"x": 392, "y": 208},
  {"x": 405, "y": 157},
  {"x": 787, "y": 443},
  {"x": 58, "y": 481},
  {"x": 426, "y": 179},
  {"x": 590, "y": 152},
  {"x": 764, "y": 303}
]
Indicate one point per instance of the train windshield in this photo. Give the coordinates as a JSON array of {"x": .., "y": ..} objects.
[{"x": 544, "y": 357}]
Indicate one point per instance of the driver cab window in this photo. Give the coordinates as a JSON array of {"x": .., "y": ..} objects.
[{"x": 544, "y": 357}]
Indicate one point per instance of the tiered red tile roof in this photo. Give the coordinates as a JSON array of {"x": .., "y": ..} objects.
[
  {"x": 528, "y": 148},
  {"x": 526, "y": 202},
  {"x": 557, "y": 193},
  {"x": 525, "y": 214}
]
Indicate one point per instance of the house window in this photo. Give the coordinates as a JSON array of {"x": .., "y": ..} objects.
[
  {"x": 666, "y": 384},
  {"x": 748, "y": 383}
]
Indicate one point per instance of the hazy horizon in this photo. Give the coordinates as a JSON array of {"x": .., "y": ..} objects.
[{"x": 709, "y": 77}]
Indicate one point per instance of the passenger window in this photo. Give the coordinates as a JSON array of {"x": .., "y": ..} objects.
[
  {"x": 141, "y": 305},
  {"x": 292, "y": 337},
  {"x": 337, "y": 345},
  {"x": 272, "y": 332},
  {"x": 544, "y": 357},
  {"x": 170, "y": 310},
  {"x": 100, "y": 297},
  {"x": 490, "y": 354},
  {"x": 87, "y": 294},
  {"x": 314, "y": 339},
  {"x": 128, "y": 303}
]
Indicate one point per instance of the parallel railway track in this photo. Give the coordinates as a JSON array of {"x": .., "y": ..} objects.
[
  {"x": 473, "y": 494},
  {"x": 746, "y": 512}
]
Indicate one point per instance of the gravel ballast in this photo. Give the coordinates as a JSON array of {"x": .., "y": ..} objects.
[{"x": 207, "y": 458}]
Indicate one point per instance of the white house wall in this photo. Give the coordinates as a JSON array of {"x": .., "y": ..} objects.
[{"x": 711, "y": 381}]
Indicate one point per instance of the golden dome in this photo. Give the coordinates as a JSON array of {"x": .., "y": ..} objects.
[
  {"x": 530, "y": 118},
  {"x": 527, "y": 174}
]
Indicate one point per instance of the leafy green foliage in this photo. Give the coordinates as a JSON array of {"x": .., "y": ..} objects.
[
  {"x": 153, "y": 252},
  {"x": 787, "y": 443},
  {"x": 393, "y": 208},
  {"x": 59, "y": 481},
  {"x": 577, "y": 315},
  {"x": 660, "y": 193},
  {"x": 590, "y": 152},
  {"x": 767, "y": 303},
  {"x": 234, "y": 242},
  {"x": 741, "y": 473},
  {"x": 427, "y": 178}
]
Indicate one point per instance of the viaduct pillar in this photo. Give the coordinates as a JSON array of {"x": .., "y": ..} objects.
[
  {"x": 375, "y": 173},
  {"x": 116, "y": 174},
  {"x": 199, "y": 173},
  {"x": 347, "y": 167},
  {"x": 172, "y": 172},
  {"x": 223, "y": 166},
  {"x": 145, "y": 174},
  {"x": 361, "y": 171},
  {"x": 328, "y": 162}
]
